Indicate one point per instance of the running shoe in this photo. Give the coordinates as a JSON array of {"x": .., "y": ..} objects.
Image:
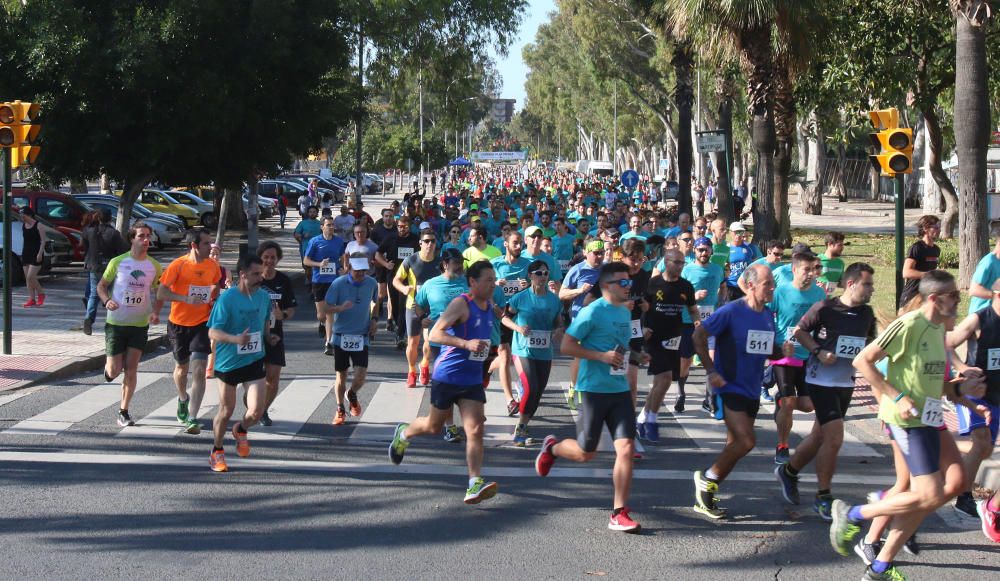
[
  {"x": 400, "y": 343},
  {"x": 890, "y": 574},
  {"x": 823, "y": 506},
  {"x": 191, "y": 426},
  {"x": 513, "y": 407},
  {"x": 124, "y": 420},
  {"x": 322, "y": 330},
  {"x": 520, "y": 436},
  {"x": 789, "y": 484},
  {"x": 842, "y": 531},
  {"x": 425, "y": 375},
  {"x": 242, "y": 443},
  {"x": 623, "y": 522},
  {"x": 706, "y": 406},
  {"x": 765, "y": 395},
  {"x": 339, "y": 416},
  {"x": 355, "y": 405},
  {"x": 545, "y": 458},
  {"x": 88, "y": 327},
  {"x": 480, "y": 491},
  {"x": 265, "y": 420},
  {"x": 29, "y": 303},
  {"x": 875, "y": 496},
  {"x": 328, "y": 350},
  {"x": 912, "y": 546},
  {"x": 217, "y": 460},
  {"x": 988, "y": 518},
  {"x": 653, "y": 431},
  {"x": 704, "y": 496},
  {"x": 398, "y": 446},
  {"x": 452, "y": 434},
  {"x": 965, "y": 505},
  {"x": 390, "y": 326},
  {"x": 640, "y": 430},
  {"x": 411, "y": 379},
  {"x": 182, "y": 410},
  {"x": 867, "y": 551},
  {"x": 781, "y": 455},
  {"x": 679, "y": 405},
  {"x": 571, "y": 398}
]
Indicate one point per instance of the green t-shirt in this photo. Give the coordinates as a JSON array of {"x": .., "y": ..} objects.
[
  {"x": 720, "y": 255},
  {"x": 133, "y": 284},
  {"x": 833, "y": 270},
  {"x": 916, "y": 354}
]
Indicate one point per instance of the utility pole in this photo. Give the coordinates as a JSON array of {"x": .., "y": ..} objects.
[
  {"x": 8, "y": 327},
  {"x": 420, "y": 85},
  {"x": 614, "y": 146},
  {"x": 359, "y": 181}
]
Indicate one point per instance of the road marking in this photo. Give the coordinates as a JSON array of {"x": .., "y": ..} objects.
[
  {"x": 57, "y": 419},
  {"x": 200, "y": 463},
  {"x": 162, "y": 422},
  {"x": 293, "y": 408},
  {"x": 393, "y": 403},
  {"x": 802, "y": 423},
  {"x": 6, "y": 399},
  {"x": 499, "y": 426}
]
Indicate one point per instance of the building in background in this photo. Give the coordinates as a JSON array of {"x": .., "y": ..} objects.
[{"x": 502, "y": 110}]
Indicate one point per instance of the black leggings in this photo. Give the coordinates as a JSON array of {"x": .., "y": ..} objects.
[{"x": 534, "y": 375}]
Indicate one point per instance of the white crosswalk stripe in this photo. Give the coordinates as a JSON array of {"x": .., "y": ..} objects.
[
  {"x": 162, "y": 422},
  {"x": 292, "y": 409},
  {"x": 393, "y": 403}
]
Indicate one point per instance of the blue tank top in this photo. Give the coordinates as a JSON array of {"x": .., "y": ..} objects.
[{"x": 459, "y": 366}]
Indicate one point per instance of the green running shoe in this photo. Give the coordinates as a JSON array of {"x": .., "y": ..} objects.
[
  {"x": 398, "y": 445},
  {"x": 890, "y": 574},
  {"x": 571, "y": 398},
  {"x": 182, "y": 410},
  {"x": 192, "y": 427},
  {"x": 452, "y": 434},
  {"x": 480, "y": 491},
  {"x": 704, "y": 495},
  {"x": 842, "y": 531}
]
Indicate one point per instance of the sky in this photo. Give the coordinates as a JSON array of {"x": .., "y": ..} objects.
[{"x": 512, "y": 69}]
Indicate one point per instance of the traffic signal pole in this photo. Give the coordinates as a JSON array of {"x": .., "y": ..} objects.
[
  {"x": 8, "y": 326},
  {"x": 898, "y": 187}
]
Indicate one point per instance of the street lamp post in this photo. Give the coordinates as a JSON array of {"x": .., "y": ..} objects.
[{"x": 614, "y": 146}]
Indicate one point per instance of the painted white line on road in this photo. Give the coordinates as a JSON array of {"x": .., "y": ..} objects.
[
  {"x": 6, "y": 399},
  {"x": 392, "y": 404},
  {"x": 499, "y": 426},
  {"x": 802, "y": 424},
  {"x": 292, "y": 409},
  {"x": 162, "y": 422},
  {"x": 55, "y": 420},
  {"x": 200, "y": 462}
]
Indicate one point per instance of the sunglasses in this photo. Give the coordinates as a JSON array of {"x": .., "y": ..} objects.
[
  {"x": 624, "y": 282},
  {"x": 428, "y": 241},
  {"x": 686, "y": 239},
  {"x": 703, "y": 249},
  {"x": 540, "y": 272}
]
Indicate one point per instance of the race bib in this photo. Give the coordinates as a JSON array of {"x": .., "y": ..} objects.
[
  {"x": 480, "y": 355},
  {"x": 636, "y": 329},
  {"x": 199, "y": 294},
  {"x": 539, "y": 339},
  {"x": 511, "y": 287},
  {"x": 403, "y": 253},
  {"x": 705, "y": 312},
  {"x": 623, "y": 369},
  {"x": 252, "y": 346},
  {"x": 563, "y": 265},
  {"x": 848, "y": 347},
  {"x": 830, "y": 287},
  {"x": 933, "y": 414},
  {"x": 790, "y": 336},
  {"x": 274, "y": 296},
  {"x": 352, "y": 343},
  {"x": 672, "y": 344},
  {"x": 760, "y": 342},
  {"x": 329, "y": 270},
  {"x": 134, "y": 298},
  {"x": 993, "y": 359}
]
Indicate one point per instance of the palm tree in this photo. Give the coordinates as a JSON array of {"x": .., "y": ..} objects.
[{"x": 972, "y": 130}]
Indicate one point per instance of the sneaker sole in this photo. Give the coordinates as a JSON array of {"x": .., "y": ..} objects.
[
  {"x": 488, "y": 492},
  {"x": 538, "y": 458},
  {"x": 193, "y": 430},
  {"x": 712, "y": 515},
  {"x": 220, "y": 469},
  {"x": 625, "y": 529},
  {"x": 965, "y": 514}
]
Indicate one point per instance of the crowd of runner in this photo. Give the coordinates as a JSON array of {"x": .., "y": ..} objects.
[{"x": 506, "y": 269}]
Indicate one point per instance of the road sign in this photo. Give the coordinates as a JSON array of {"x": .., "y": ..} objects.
[
  {"x": 630, "y": 178},
  {"x": 409, "y": 164},
  {"x": 709, "y": 141},
  {"x": 995, "y": 139}
]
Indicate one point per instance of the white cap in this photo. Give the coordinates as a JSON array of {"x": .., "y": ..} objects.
[
  {"x": 737, "y": 227},
  {"x": 424, "y": 226},
  {"x": 359, "y": 263}
]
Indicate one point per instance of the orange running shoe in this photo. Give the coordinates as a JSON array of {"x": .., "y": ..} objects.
[
  {"x": 242, "y": 443},
  {"x": 425, "y": 375},
  {"x": 339, "y": 417},
  {"x": 355, "y": 407},
  {"x": 217, "y": 460},
  {"x": 411, "y": 379}
]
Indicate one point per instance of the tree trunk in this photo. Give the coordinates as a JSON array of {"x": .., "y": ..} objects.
[
  {"x": 253, "y": 212},
  {"x": 932, "y": 129},
  {"x": 839, "y": 176},
  {"x": 77, "y": 187},
  {"x": 784, "y": 126},
  {"x": 723, "y": 191},
  {"x": 683, "y": 62},
  {"x": 131, "y": 189},
  {"x": 972, "y": 134},
  {"x": 911, "y": 186},
  {"x": 812, "y": 193}
]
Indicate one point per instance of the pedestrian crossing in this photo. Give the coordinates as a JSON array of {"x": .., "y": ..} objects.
[{"x": 384, "y": 405}]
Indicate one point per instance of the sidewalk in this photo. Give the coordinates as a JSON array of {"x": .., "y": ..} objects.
[{"x": 855, "y": 216}]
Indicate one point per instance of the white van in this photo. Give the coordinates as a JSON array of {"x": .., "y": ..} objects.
[{"x": 595, "y": 167}]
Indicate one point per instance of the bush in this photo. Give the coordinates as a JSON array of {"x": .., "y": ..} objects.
[{"x": 884, "y": 250}]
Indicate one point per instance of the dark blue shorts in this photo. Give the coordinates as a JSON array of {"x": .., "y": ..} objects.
[
  {"x": 921, "y": 448},
  {"x": 445, "y": 395},
  {"x": 968, "y": 421}
]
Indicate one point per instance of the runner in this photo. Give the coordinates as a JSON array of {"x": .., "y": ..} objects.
[
  {"x": 921, "y": 257},
  {"x": 668, "y": 295},
  {"x": 323, "y": 254},
  {"x": 191, "y": 284},
  {"x": 744, "y": 340},
  {"x": 579, "y": 280},
  {"x": 790, "y": 302},
  {"x": 512, "y": 277},
  {"x": 415, "y": 271},
  {"x": 534, "y": 238},
  {"x": 833, "y": 331},
  {"x": 634, "y": 256},
  {"x": 240, "y": 324},
  {"x": 708, "y": 280},
  {"x": 915, "y": 347},
  {"x": 741, "y": 254},
  {"x": 392, "y": 251},
  {"x": 464, "y": 329},
  {"x": 599, "y": 336},
  {"x": 307, "y": 229},
  {"x": 279, "y": 289},
  {"x": 478, "y": 248},
  {"x": 352, "y": 299},
  {"x": 535, "y": 317},
  {"x": 833, "y": 264},
  {"x": 126, "y": 290}
]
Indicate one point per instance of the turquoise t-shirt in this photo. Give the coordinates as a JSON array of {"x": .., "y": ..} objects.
[
  {"x": 772, "y": 265},
  {"x": 563, "y": 248},
  {"x": 706, "y": 278},
  {"x": 789, "y": 304},
  {"x": 538, "y": 313},
  {"x": 601, "y": 326},
  {"x": 233, "y": 313},
  {"x": 435, "y": 294},
  {"x": 510, "y": 272},
  {"x": 987, "y": 272},
  {"x": 783, "y": 275}
]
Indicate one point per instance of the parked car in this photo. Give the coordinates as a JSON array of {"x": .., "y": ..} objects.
[
  {"x": 338, "y": 186},
  {"x": 159, "y": 201},
  {"x": 336, "y": 194},
  {"x": 205, "y": 209},
  {"x": 58, "y": 208},
  {"x": 58, "y": 250},
  {"x": 137, "y": 209},
  {"x": 164, "y": 232},
  {"x": 266, "y": 206}
]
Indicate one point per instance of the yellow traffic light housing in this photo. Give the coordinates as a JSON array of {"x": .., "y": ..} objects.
[
  {"x": 18, "y": 131},
  {"x": 894, "y": 143}
]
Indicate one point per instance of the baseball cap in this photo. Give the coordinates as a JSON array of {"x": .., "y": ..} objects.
[
  {"x": 703, "y": 241},
  {"x": 532, "y": 230},
  {"x": 425, "y": 226},
  {"x": 476, "y": 218},
  {"x": 450, "y": 254},
  {"x": 737, "y": 227},
  {"x": 801, "y": 248},
  {"x": 513, "y": 220},
  {"x": 474, "y": 207}
]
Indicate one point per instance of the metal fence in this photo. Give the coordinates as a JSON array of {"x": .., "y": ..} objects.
[{"x": 857, "y": 179}]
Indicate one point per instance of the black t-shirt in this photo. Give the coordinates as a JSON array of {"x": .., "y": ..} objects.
[
  {"x": 395, "y": 249},
  {"x": 989, "y": 341},
  {"x": 380, "y": 232},
  {"x": 280, "y": 289},
  {"x": 640, "y": 281},
  {"x": 667, "y": 300},
  {"x": 842, "y": 330},
  {"x": 926, "y": 259}
]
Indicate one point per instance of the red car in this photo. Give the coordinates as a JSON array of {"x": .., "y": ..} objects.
[{"x": 61, "y": 210}]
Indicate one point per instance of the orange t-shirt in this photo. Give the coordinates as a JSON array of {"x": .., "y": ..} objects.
[{"x": 194, "y": 279}]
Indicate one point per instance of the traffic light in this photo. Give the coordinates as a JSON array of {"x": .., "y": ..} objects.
[
  {"x": 894, "y": 143},
  {"x": 18, "y": 131}
]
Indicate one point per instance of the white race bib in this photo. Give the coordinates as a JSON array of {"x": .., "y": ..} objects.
[
  {"x": 848, "y": 347},
  {"x": 352, "y": 343},
  {"x": 480, "y": 355},
  {"x": 511, "y": 286},
  {"x": 636, "y": 329},
  {"x": 993, "y": 359},
  {"x": 760, "y": 342},
  {"x": 933, "y": 414},
  {"x": 672, "y": 344},
  {"x": 274, "y": 296},
  {"x": 623, "y": 369},
  {"x": 539, "y": 339},
  {"x": 252, "y": 346},
  {"x": 790, "y": 336},
  {"x": 134, "y": 298},
  {"x": 199, "y": 294},
  {"x": 403, "y": 253},
  {"x": 830, "y": 287},
  {"x": 329, "y": 270},
  {"x": 705, "y": 312},
  {"x": 563, "y": 265}
]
